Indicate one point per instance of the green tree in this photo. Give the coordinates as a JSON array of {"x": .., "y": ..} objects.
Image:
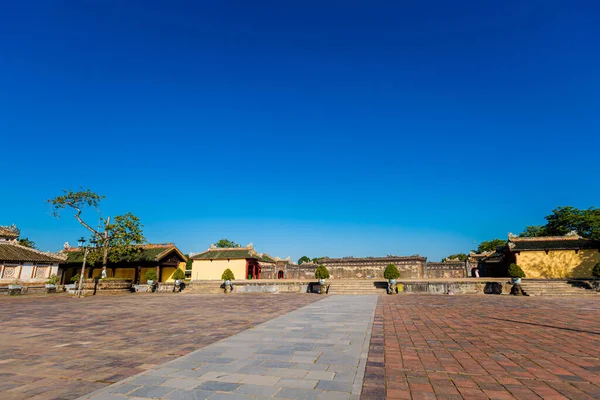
[
  {"x": 490, "y": 245},
  {"x": 566, "y": 219},
  {"x": 223, "y": 243},
  {"x": 514, "y": 271},
  {"x": 227, "y": 275},
  {"x": 459, "y": 256},
  {"x": 303, "y": 260},
  {"x": 178, "y": 274},
  {"x": 27, "y": 243},
  {"x": 116, "y": 238},
  {"x": 534, "y": 231},
  {"x": 391, "y": 272},
  {"x": 321, "y": 272}
]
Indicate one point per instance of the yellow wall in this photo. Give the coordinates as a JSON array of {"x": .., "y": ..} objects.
[
  {"x": 212, "y": 270},
  {"x": 558, "y": 263}
]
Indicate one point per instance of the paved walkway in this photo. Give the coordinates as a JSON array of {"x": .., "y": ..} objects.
[
  {"x": 55, "y": 347},
  {"x": 316, "y": 352},
  {"x": 484, "y": 347}
]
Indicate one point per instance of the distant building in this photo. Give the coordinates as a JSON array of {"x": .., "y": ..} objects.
[
  {"x": 244, "y": 262},
  {"x": 165, "y": 258},
  {"x": 569, "y": 256},
  {"x": 22, "y": 263},
  {"x": 373, "y": 267}
]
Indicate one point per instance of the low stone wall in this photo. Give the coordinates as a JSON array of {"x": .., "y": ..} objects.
[
  {"x": 106, "y": 286},
  {"x": 373, "y": 267},
  {"x": 445, "y": 270},
  {"x": 501, "y": 286}
]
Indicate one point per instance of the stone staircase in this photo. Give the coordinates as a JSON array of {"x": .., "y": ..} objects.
[
  {"x": 357, "y": 286},
  {"x": 550, "y": 287}
]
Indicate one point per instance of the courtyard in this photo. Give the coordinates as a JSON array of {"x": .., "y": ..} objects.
[{"x": 299, "y": 346}]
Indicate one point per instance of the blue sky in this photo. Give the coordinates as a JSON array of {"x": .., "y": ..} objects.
[{"x": 317, "y": 128}]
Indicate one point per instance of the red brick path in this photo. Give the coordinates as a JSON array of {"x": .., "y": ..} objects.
[{"x": 484, "y": 347}]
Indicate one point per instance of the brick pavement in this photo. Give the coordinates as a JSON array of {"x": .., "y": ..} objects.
[
  {"x": 484, "y": 347},
  {"x": 57, "y": 347},
  {"x": 316, "y": 352}
]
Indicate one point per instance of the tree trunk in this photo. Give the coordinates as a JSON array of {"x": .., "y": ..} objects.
[{"x": 105, "y": 245}]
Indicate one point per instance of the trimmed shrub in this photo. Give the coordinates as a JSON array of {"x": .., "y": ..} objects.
[
  {"x": 321, "y": 272},
  {"x": 53, "y": 279},
  {"x": 391, "y": 272},
  {"x": 75, "y": 279},
  {"x": 227, "y": 275},
  {"x": 178, "y": 274},
  {"x": 514, "y": 271},
  {"x": 596, "y": 271},
  {"x": 150, "y": 275}
]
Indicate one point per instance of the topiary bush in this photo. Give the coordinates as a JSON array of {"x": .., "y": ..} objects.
[
  {"x": 178, "y": 274},
  {"x": 321, "y": 272},
  {"x": 391, "y": 272},
  {"x": 53, "y": 279},
  {"x": 227, "y": 275},
  {"x": 514, "y": 271},
  {"x": 150, "y": 275},
  {"x": 596, "y": 271},
  {"x": 75, "y": 279}
]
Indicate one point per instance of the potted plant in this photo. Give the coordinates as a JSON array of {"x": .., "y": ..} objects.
[
  {"x": 15, "y": 285},
  {"x": 227, "y": 277},
  {"x": 51, "y": 282},
  {"x": 150, "y": 276},
  {"x": 391, "y": 273},
  {"x": 515, "y": 273},
  {"x": 178, "y": 275},
  {"x": 322, "y": 275}
]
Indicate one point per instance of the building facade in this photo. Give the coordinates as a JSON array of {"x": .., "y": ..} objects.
[
  {"x": 244, "y": 262},
  {"x": 24, "y": 264}
]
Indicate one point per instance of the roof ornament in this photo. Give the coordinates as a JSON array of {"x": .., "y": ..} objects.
[
  {"x": 512, "y": 235},
  {"x": 66, "y": 246},
  {"x": 212, "y": 246},
  {"x": 249, "y": 246},
  {"x": 511, "y": 245},
  {"x": 573, "y": 233}
]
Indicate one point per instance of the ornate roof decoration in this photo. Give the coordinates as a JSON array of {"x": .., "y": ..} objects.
[
  {"x": 10, "y": 251},
  {"x": 10, "y": 232}
]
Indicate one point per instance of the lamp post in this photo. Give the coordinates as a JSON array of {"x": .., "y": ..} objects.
[{"x": 86, "y": 249}]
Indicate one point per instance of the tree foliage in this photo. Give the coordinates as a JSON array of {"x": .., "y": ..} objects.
[
  {"x": 178, "y": 274},
  {"x": 596, "y": 271},
  {"x": 490, "y": 245},
  {"x": 223, "y": 243},
  {"x": 113, "y": 239},
  {"x": 150, "y": 274},
  {"x": 227, "y": 275},
  {"x": 567, "y": 219},
  {"x": 391, "y": 272},
  {"x": 27, "y": 243},
  {"x": 304, "y": 259},
  {"x": 321, "y": 272},
  {"x": 514, "y": 271},
  {"x": 458, "y": 256},
  {"x": 533, "y": 231}
]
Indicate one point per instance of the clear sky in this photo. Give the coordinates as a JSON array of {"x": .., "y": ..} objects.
[{"x": 306, "y": 127}]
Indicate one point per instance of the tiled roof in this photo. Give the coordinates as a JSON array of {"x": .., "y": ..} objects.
[
  {"x": 14, "y": 252},
  {"x": 552, "y": 243},
  {"x": 9, "y": 232},
  {"x": 144, "y": 253},
  {"x": 267, "y": 258},
  {"x": 227, "y": 253}
]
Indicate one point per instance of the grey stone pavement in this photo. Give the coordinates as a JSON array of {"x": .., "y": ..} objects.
[{"x": 316, "y": 352}]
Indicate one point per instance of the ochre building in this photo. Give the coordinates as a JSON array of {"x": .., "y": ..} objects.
[
  {"x": 244, "y": 262},
  {"x": 555, "y": 256}
]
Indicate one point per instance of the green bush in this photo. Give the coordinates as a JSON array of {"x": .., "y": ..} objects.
[
  {"x": 178, "y": 274},
  {"x": 321, "y": 272},
  {"x": 75, "y": 279},
  {"x": 596, "y": 271},
  {"x": 150, "y": 275},
  {"x": 391, "y": 272},
  {"x": 53, "y": 279},
  {"x": 227, "y": 275},
  {"x": 514, "y": 271}
]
